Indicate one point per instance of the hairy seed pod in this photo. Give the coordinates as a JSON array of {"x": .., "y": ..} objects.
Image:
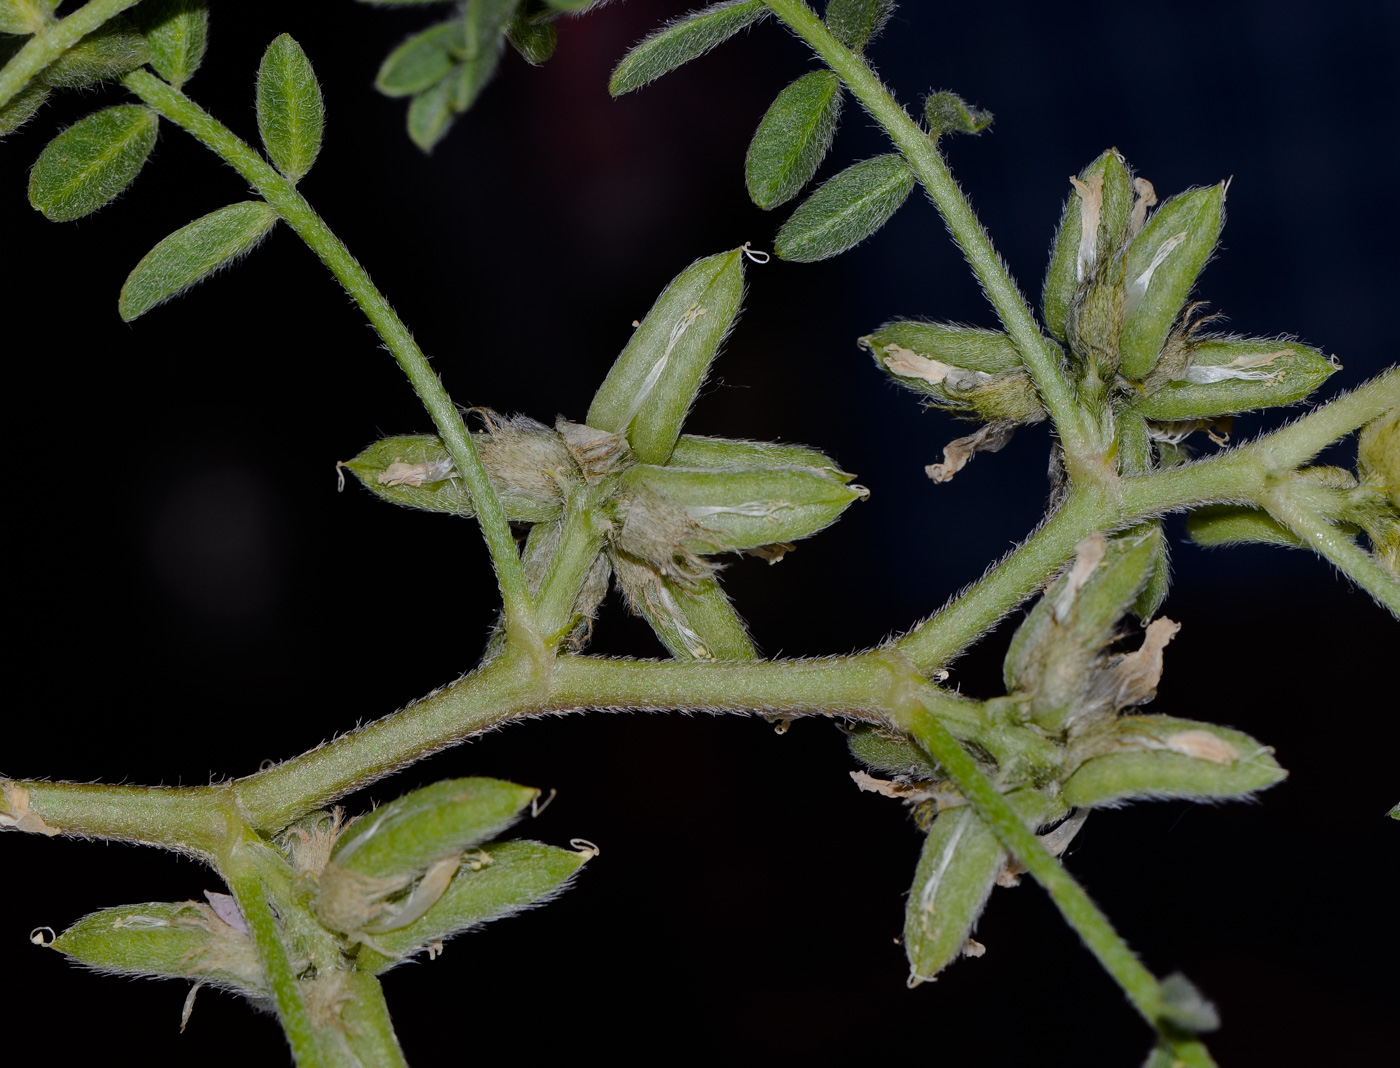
[
  {"x": 1237, "y": 524},
  {"x": 730, "y": 453},
  {"x": 694, "y": 620},
  {"x": 1148, "y": 757},
  {"x": 957, "y": 869},
  {"x": 891, "y": 754},
  {"x": 1229, "y": 375},
  {"x": 527, "y": 462},
  {"x": 1378, "y": 456},
  {"x": 654, "y": 380},
  {"x": 1056, "y": 655},
  {"x": 960, "y": 368},
  {"x": 489, "y": 885},
  {"x": 1161, "y": 266},
  {"x": 185, "y": 940},
  {"x": 1093, "y": 227},
  {"x": 725, "y": 510}
]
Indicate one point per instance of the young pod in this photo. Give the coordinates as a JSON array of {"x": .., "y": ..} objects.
[
  {"x": 655, "y": 379},
  {"x": 1226, "y": 376},
  {"x": 692, "y": 450},
  {"x": 1161, "y": 266},
  {"x": 957, "y": 869},
  {"x": 1378, "y": 456},
  {"x": 489, "y": 885},
  {"x": 694, "y": 620},
  {"x": 1056, "y": 655},
  {"x": 889, "y": 754},
  {"x": 959, "y": 368},
  {"x": 1093, "y": 227},
  {"x": 1237, "y": 524},
  {"x": 1149, "y": 757},
  {"x": 527, "y": 462},
  {"x": 183, "y": 940},
  {"x": 725, "y": 510}
]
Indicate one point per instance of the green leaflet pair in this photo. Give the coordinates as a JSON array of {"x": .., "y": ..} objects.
[
  {"x": 1067, "y": 683},
  {"x": 399, "y": 880},
  {"x": 661, "y": 503}
]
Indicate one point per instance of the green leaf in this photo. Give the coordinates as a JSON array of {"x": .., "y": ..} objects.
[
  {"x": 1162, "y": 264},
  {"x": 178, "y": 33},
  {"x": 949, "y": 113},
  {"x": 1186, "y": 1007},
  {"x": 511, "y": 876},
  {"x": 185, "y": 940},
  {"x": 727, "y": 453},
  {"x": 1395, "y": 812},
  {"x": 655, "y": 378},
  {"x": 421, "y": 61},
  {"x": 438, "y": 821},
  {"x": 1157, "y": 757},
  {"x": 856, "y": 22},
  {"x": 291, "y": 114},
  {"x": 1238, "y": 524},
  {"x": 108, "y": 52},
  {"x": 484, "y": 27},
  {"x": 729, "y": 510},
  {"x": 526, "y": 462},
  {"x": 1226, "y": 376},
  {"x": 793, "y": 138},
  {"x": 681, "y": 41},
  {"x": 430, "y": 113},
  {"x": 192, "y": 253},
  {"x": 25, "y": 17},
  {"x": 535, "y": 41},
  {"x": 22, "y": 107},
  {"x": 1106, "y": 187},
  {"x": 92, "y": 161},
  {"x": 846, "y": 210}
]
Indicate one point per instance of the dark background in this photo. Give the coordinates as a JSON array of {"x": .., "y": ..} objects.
[{"x": 189, "y": 594}]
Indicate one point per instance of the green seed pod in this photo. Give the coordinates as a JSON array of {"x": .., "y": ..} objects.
[
  {"x": 421, "y": 61},
  {"x": 1093, "y": 226},
  {"x": 1235, "y": 524},
  {"x": 490, "y": 885},
  {"x": 1378, "y": 456},
  {"x": 92, "y": 162},
  {"x": 291, "y": 114},
  {"x": 438, "y": 821},
  {"x": 653, "y": 382},
  {"x": 846, "y": 209},
  {"x": 108, "y": 52},
  {"x": 960, "y": 368},
  {"x": 695, "y": 621},
  {"x": 792, "y": 139},
  {"x": 891, "y": 754},
  {"x": 958, "y": 867},
  {"x": 724, "y": 510},
  {"x": 856, "y": 22},
  {"x": 695, "y": 451},
  {"x": 1056, "y": 655},
  {"x": 1162, "y": 264},
  {"x": 949, "y": 113},
  {"x": 529, "y": 467},
  {"x": 184, "y": 940},
  {"x": 194, "y": 252},
  {"x": 681, "y": 41},
  {"x": 1231, "y": 375},
  {"x": 1161, "y": 757},
  {"x": 177, "y": 32}
]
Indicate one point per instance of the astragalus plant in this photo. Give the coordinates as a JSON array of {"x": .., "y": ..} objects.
[{"x": 1120, "y": 356}]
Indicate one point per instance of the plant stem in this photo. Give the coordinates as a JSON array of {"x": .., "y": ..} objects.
[
  {"x": 52, "y": 41},
  {"x": 579, "y": 544},
  {"x": 293, "y": 207},
  {"x": 192, "y": 820},
  {"x": 241, "y": 869},
  {"x": 369, "y": 1028},
  {"x": 1041, "y": 356},
  {"x": 1288, "y": 504}
]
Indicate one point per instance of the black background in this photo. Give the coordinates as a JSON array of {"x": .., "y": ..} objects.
[{"x": 190, "y": 596}]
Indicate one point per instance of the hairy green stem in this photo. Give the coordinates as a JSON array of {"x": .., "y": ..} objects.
[
  {"x": 368, "y": 1025},
  {"x": 172, "y": 104},
  {"x": 1289, "y": 505},
  {"x": 1041, "y": 356},
  {"x": 52, "y": 41}
]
